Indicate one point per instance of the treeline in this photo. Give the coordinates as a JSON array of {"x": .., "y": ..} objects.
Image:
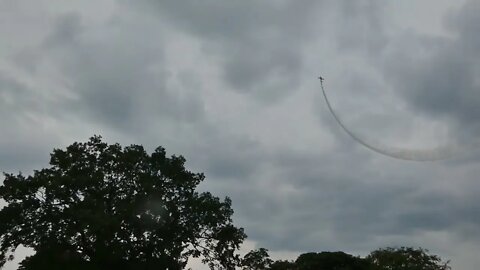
[
  {"x": 103, "y": 206},
  {"x": 403, "y": 258}
]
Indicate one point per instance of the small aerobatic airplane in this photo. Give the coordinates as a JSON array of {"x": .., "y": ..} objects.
[{"x": 321, "y": 78}]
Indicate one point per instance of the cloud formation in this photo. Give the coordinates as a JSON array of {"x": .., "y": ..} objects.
[{"x": 232, "y": 87}]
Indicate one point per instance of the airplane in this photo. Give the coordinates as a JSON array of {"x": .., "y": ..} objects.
[{"x": 321, "y": 79}]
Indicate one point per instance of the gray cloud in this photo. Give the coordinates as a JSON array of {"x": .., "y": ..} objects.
[
  {"x": 438, "y": 76},
  {"x": 361, "y": 26},
  {"x": 117, "y": 72},
  {"x": 259, "y": 45},
  {"x": 161, "y": 73},
  {"x": 352, "y": 208},
  {"x": 26, "y": 140},
  {"x": 306, "y": 201}
]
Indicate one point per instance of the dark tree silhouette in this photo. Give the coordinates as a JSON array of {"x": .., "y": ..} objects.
[
  {"x": 101, "y": 206},
  {"x": 406, "y": 258},
  {"x": 258, "y": 259},
  {"x": 330, "y": 261},
  {"x": 283, "y": 265}
]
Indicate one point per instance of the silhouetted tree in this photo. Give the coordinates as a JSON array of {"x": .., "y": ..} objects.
[
  {"x": 257, "y": 260},
  {"x": 283, "y": 265},
  {"x": 330, "y": 261},
  {"x": 406, "y": 258},
  {"x": 101, "y": 206},
  {"x": 56, "y": 257}
]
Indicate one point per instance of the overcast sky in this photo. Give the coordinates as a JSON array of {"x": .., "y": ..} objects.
[{"x": 231, "y": 85}]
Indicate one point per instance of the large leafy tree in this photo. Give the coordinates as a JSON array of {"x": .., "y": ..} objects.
[
  {"x": 405, "y": 258},
  {"x": 101, "y": 206}
]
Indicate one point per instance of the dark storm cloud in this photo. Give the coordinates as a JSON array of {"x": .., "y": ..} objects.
[{"x": 259, "y": 44}]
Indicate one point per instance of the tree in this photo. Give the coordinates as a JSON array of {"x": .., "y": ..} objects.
[
  {"x": 101, "y": 206},
  {"x": 283, "y": 265},
  {"x": 330, "y": 261},
  {"x": 406, "y": 258},
  {"x": 257, "y": 260}
]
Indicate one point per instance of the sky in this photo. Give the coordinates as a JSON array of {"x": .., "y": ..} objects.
[{"x": 232, "y": 86}]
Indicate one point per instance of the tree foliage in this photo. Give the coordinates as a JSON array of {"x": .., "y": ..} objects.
[
  {"x": 406, "y": 258},
  {"x": 101, "y": 206},
  {"x": 257, "y": 260},
  {"x": 330, "y": 261},
  {"x": 381, "y": 259},
  {"x": 283, "y": 265}
]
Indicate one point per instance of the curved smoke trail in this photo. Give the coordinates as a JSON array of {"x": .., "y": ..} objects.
[{"x": 438, "y": 153}]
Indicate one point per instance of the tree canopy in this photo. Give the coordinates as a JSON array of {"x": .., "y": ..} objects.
[
  {"x": 330, "y": 261},
  {"x": 381, "y": 259},
  {"x": 258, "y": 259},
  {"x": 406, "y": 258},
  {"x": 101, "y": 206}
]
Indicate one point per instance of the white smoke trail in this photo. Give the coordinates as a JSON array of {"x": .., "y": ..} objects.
[{"x": 434, "y": 154}]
